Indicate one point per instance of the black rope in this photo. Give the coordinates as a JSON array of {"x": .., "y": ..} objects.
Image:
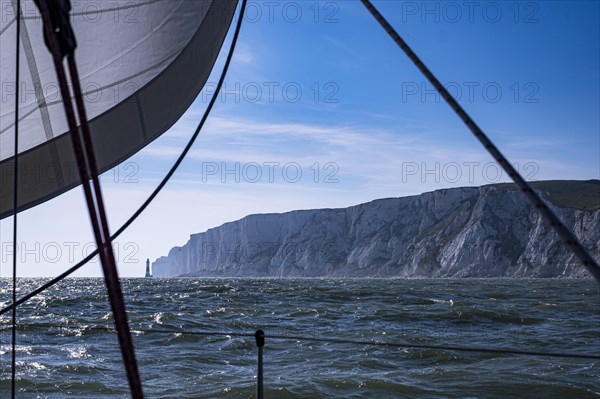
[
  {"x": 288, "y": 337},
  {"x": 564, "y": 233},
  {"x": 103, "y": 240},
  {"x": 401, "y": 345},
  {"x": 381, "y": 343},
  {"x": 158, "y": 189},
  {"x": 13, "y": 366},
  {"x": 61, "y": 44},
  {"x": 436, "y": 347}
]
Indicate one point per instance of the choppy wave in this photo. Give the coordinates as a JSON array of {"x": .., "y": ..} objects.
[{"x": 66, "y": 346}]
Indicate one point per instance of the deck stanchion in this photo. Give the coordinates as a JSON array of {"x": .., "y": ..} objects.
[{"x": 260, "y": 342}]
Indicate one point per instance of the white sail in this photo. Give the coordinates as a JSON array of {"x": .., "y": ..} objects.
[{"x": 141, "y": 64}]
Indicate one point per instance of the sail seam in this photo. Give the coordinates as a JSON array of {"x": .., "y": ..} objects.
[
  {"x": 156, "y": 191},
  {"x": 86, "y": 13},
  {"x": 94, "y": 91}
]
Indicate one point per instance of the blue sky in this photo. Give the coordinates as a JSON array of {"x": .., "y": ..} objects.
[{"x": 322, "y": 109}]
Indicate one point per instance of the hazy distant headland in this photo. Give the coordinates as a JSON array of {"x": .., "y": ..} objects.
[{"x": 488, "y": 231}]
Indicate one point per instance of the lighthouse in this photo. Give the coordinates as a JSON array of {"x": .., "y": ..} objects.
[{"x": 148, "y": 268}]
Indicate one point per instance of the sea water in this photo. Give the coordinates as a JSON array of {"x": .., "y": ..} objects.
[{"x": 187, "y": 343}]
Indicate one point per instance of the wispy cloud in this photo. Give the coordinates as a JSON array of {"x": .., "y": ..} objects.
[
  {"x": 244, "y": 53},
  {"x": 376, "y": 159}
]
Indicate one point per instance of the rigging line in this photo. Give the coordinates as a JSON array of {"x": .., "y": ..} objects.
[
  {"x": 160, "y": 186},
  {"x": 13, "y": 366},
  {"x": 437, "y": 347},
  {"x": 61, "y": 43},
  {"x": 111, "y": 275},
  {"x": 456, "y": 348},
  {"x": 564, "y": 233}
]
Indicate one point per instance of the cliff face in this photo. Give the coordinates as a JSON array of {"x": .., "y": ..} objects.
[{"x": 490, "y": 231}]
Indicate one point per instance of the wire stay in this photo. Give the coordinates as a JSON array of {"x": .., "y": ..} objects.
[{"x": 564, "y": 233}]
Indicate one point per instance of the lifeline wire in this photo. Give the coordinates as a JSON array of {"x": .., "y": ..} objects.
[
  {"x": 564, "y": 233},
  {"x": 384, "y": 344},
  {"x": 401, "y": 345},
  {"x": 13, "y": 365}
]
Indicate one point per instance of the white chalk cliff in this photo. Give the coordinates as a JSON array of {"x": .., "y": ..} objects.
[{"x": 488, "y": 231}]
